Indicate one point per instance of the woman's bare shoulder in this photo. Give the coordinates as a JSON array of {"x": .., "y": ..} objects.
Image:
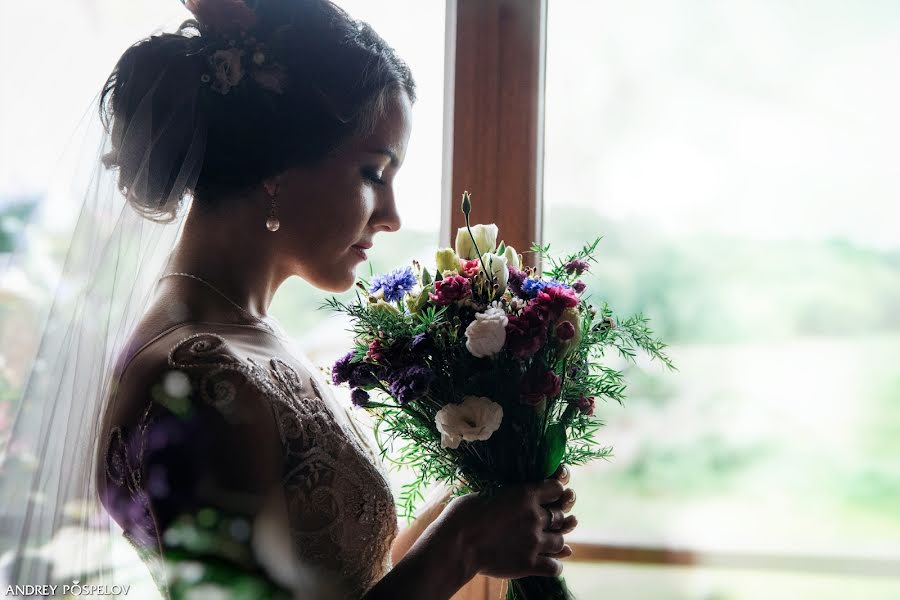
[{"x": 190, "y": 361}]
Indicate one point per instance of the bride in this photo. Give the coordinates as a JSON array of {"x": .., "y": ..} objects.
[{"x": 286, "y": 125}]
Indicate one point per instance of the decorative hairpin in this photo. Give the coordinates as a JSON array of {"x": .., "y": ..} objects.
[{"x": 231, "y": 21}]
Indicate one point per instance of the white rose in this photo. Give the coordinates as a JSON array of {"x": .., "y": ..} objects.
[
  {"x": 512, "y": 259},
  {"x": 494, "y": 265},
  {"x": 486, "y": 335},
  {"x": 477, "y": 418},
  {"x": 485, "y": 236}
]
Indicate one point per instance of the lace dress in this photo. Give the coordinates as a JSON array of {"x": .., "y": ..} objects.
[{"x": 342, "y": 517}]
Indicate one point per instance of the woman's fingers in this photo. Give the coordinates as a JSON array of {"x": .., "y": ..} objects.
[
  {"x": 568, "y": 525},
  {"x": 548, "y": 491},
  {"x": 562, "y": 474},
  {"x": 555, "y": 518},
  {"x": 546, "y": 566},
  {"x": 551, "y": 543},
  {"x": 566, "y": 501},
  {"x": 566, "y": 552}
]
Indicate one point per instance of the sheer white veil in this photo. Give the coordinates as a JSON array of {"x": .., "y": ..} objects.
[
  {"x": 53, "y": 528},
  {"x": 96, "y": 274}
]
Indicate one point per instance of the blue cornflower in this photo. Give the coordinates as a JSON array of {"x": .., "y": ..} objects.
[
  {"x": 531, "y": 286},
  {"x": 395, "y": 284}
]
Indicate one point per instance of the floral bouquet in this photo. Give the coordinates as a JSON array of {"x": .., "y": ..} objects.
[{"x": 484, "y": 372}]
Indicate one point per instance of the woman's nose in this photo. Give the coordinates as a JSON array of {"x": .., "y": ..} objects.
[{"x": 387, "y": 218}]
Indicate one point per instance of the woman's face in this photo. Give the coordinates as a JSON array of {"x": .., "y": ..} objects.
[{"x": 343, "y": 201}]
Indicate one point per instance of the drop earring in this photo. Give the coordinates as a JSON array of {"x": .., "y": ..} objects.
[{"x": 272, "y": 223}]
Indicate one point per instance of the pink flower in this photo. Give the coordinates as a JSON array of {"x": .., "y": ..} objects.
[
  {"x": 470, "y": 268},
  {"x": 565, "y": 331},
  {"x": 525, "y": 333},
  {"x": 538, "y": 385},
  {"x": 375, "y": 351},
  {"x": 450, "y": 289},
  {"x": 555, "y": 300},
  {"x": 585, "y": 405}
]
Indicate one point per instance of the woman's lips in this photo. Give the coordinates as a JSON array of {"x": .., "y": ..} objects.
[{"x": 361, "y": 252}]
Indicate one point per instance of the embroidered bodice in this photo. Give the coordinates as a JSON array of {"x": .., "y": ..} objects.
[{"x": 342, "y": 517}]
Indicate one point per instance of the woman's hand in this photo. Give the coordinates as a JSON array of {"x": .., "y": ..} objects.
[{"x": 519, "y": 531}]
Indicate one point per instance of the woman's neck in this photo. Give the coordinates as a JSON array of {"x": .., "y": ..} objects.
[{"x": 232, "y": 255}]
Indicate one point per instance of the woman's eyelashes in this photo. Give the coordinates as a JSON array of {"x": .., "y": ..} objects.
[{"x": 373, "y": 176}]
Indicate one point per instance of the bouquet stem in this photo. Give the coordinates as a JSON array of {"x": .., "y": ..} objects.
[{"x": 538, "y": 588}]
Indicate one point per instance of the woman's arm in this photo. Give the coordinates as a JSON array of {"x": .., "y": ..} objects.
[
  {"x": 479, "y": 587},
  {"x": 435, "y": 565},
  {"x": 434, "y": 504}
]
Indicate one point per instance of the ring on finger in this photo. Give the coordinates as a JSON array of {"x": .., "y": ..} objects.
[{"x": 550, "y": 522}]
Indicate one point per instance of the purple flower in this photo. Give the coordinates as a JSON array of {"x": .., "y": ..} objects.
[
  {"x": 516, "y": 279},
  {"x": 577, "y": 266},
  {"x": 420, "y": 344},
  {"x": 394, "y": 284},
  {"x": 359, "y": 397},
  {"x": 363, "y": 374},
  {"x": 342, "y": 369},
  {"x": 578, "y": 286},
  {"x": 411, "y": 383}
]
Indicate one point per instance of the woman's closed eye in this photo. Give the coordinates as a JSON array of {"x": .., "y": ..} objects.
[{"x": 373, "y": 176}]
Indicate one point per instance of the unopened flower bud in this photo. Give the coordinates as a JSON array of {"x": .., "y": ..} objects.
[{"x": 565, "y": 331}]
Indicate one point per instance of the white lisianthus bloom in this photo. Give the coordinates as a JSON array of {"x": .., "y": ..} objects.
[
  {"x": 485, "y": 236},
  {"x": 476, "y": 418},
  {"x": 512, "y": 259},
  {"x": 494, "y": 265},
  {"x": 446, "y": 260},
  {"x": 486, "y": 335}
]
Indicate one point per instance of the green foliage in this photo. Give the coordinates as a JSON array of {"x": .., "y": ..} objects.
[
  {"x": 704, "y": 288},
  {"x": 555, "y": 441}
]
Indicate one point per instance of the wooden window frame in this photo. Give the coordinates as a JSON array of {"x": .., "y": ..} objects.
[{"x": 494, "y": 118}]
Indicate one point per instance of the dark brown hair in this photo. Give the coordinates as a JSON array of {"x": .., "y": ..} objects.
[{"x": 339, "y": 73}]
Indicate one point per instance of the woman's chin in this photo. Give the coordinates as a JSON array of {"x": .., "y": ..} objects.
[
  {"x": 337, "y": 284},
  {"x": 335, "y": 278}
]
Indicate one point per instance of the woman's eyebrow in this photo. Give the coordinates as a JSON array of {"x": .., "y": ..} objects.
[{"x": 389, "y": 153}]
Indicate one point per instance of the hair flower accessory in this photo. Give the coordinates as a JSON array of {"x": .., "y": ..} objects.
[
  {"x": 227, "y": 69},
  {"x": 234, "y": 52}
]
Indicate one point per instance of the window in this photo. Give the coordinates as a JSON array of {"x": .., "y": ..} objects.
[{"x": 742, "y": 162}]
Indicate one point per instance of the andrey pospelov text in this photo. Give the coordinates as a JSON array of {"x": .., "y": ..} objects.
[{"x": 72, "y": 589}]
